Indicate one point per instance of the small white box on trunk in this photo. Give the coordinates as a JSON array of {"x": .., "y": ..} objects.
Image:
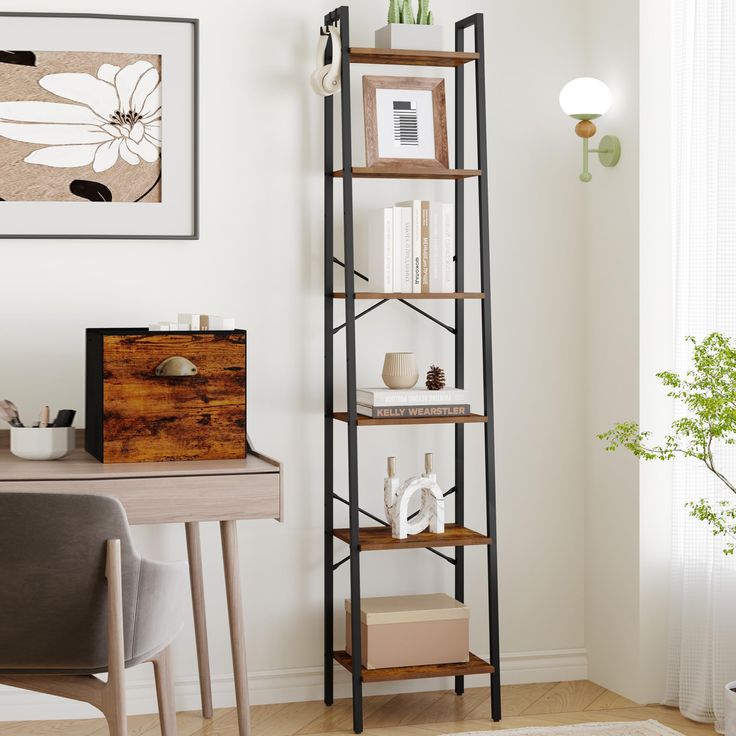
[{"x": 409, "y": 36}]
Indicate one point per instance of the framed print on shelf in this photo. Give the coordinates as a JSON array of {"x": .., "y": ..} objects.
[
  {"x": 405, "y": 122},
  {"x": 98, "y": 126}
]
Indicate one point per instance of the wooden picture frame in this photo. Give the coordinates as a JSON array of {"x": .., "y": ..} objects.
[{"x": 393, "y": 133}]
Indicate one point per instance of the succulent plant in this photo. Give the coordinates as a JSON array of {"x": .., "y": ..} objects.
[
  {"x": 394, "y": 12},
  {"x": 400, "y": 11},
  {"x": 423, "y": 14},
  {"x": 407, "y": 14}
]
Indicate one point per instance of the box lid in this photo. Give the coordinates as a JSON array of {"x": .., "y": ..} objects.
[{"x": 410, "y": 608}]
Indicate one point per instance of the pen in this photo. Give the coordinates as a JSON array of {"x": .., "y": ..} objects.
[{"x": 44, "y": 419}]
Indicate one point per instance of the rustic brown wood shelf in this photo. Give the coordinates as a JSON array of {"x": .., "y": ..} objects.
[
  {"x": 374, "y": 538},
  {"x": 409, "y": 57},
  {"x": 475, "y": 666},
  {"x": 411, "y": 295},
  {"x": 342, "y": 416},
  {"x": 383, "y": 172}
]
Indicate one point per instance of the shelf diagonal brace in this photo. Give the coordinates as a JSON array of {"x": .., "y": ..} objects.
[
  {"x": 342, "y": 562},
  {"x": 451, "y": 330},
  {"x": 360, "y": 275},
  {"x": 384, "y": 523},
  {"x": 358, "y": 316},
  {"x": 362, "y": 511}
]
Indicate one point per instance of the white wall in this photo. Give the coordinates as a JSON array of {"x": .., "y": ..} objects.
[
  {"x": 612, "y": 355},
  {"x": 628, "y": 340},
  {"x": 259, "y": 258}
]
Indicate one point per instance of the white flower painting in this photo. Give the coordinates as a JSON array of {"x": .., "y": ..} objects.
[{"x": 75, "y": 126}]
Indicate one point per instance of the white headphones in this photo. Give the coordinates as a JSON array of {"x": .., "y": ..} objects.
[{"x": 325, "y": 78}]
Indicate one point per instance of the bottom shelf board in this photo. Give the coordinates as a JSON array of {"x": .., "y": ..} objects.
[{"x": 475, "y": 666}]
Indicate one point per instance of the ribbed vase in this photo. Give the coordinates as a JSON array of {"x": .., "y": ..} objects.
[{"x": 400, "y": 370}]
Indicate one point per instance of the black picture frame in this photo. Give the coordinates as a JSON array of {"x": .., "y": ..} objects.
[{"x": 195, "y": 123}]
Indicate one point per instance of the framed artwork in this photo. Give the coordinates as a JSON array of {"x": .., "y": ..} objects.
[
  {"x": 405, "y": 122},
  {"x": 98, "y": 126}
]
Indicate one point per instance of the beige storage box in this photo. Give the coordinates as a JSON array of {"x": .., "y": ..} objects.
[{"x": 408, "y": 630}]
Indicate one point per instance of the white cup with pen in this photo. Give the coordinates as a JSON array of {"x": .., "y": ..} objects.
[{"x": 46, "y": 440}]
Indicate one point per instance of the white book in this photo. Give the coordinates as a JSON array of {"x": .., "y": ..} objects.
[
  {"x": 228, "y": 323},
  {"x": 377, "y": 251},
  {"x": 436, "y": 247},
  {"x": 388, "y": 250},
  {"x": 448, "y": 248},
  {"x": 416, "y": 244},
  {"x": 396, "y": 249},
  {"x": 415, "y": 396},
  {"x": 403, "y": 249}
]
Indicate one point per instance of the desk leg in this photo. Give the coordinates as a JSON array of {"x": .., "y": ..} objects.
[
  {"x": 229, "y": 534},
  {"x": 196, "y": 581}
]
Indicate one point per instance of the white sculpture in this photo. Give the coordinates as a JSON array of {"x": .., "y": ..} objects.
[{"x": 397, "y": 497}]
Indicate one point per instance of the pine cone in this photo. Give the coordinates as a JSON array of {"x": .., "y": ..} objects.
[{"x": 435, "y": 378}]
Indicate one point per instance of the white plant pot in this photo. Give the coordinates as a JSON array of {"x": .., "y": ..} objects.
[
  {"x": 34, "y": 443},
  {"x": 409, "y": 36},
  {"x": 729, "y": 700}
]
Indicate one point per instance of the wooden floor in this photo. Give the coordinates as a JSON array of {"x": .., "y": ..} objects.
[{"x": 416, "y": 714}]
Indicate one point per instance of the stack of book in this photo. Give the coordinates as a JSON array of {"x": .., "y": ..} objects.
[
  {"x": 418, "y": 254},
  {"x": 415, "y": 403}
]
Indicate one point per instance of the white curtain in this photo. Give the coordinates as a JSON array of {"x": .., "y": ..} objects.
[{"x": 703, "y": 627}]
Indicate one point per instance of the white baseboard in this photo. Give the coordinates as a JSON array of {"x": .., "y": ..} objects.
[{"x": 291, "y": 685}]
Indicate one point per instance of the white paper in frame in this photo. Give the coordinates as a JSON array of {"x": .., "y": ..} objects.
[{"x": 405, "y": 120}]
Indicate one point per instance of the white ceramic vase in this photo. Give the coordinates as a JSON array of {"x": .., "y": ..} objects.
[
  {"x": 400, "y": 370},
  {"x": 729, "y": 701}
]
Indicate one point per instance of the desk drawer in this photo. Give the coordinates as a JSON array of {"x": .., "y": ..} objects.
[{"x": 177, "y": 499}]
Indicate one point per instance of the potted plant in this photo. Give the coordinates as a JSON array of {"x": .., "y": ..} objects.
[
  {"x": 405, "y": 30},
  {"x": 708, "y": 393}
]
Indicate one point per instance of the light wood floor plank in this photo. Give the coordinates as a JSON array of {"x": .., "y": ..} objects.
[
  {"x": 289, "y": 720},
  {"x": 515, "y": 699},
  {"x": 339, "y": 716},
  {"x": 566, "y": 697},
  {"x": 608, "y": 700},
  {"x": 451, "y": 707},
  {"x": 403, "y": 710}
]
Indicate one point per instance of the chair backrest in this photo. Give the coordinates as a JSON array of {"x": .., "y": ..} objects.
[{"x": 53, "y": 591}]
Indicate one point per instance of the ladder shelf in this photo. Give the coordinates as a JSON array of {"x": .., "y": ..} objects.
[{"x": 378, "y": 538}]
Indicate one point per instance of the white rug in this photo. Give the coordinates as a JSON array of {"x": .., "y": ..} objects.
[{"x": 618, "y": 728}]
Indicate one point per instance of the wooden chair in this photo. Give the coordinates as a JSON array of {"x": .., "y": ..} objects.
[{"x": 77, "y": 600}]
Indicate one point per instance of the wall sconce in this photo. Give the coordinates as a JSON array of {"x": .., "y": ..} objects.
[{"x": 585, "y": 99}]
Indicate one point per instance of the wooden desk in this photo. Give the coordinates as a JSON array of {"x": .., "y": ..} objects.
[{"x": 175, "y": 492}]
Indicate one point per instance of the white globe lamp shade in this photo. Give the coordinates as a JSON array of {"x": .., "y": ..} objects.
[{"x": 585, "y": 98}]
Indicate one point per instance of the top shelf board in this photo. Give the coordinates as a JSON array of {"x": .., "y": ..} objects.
[{"x": 409, "y": 57}]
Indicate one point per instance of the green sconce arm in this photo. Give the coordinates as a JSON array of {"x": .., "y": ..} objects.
[{"x": 609, "y": 153}]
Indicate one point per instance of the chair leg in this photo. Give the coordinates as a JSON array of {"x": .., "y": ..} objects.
[
  {"x": 163, "y": 672},
  {"x": 114, "y": 694}
]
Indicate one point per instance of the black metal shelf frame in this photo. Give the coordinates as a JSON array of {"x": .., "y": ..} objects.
[{"x": 341, "y": 17}]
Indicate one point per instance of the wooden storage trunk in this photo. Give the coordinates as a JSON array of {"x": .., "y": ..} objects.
[
  {"x": 411, "y": 630},
  {"x": 135, "y": 415}
]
